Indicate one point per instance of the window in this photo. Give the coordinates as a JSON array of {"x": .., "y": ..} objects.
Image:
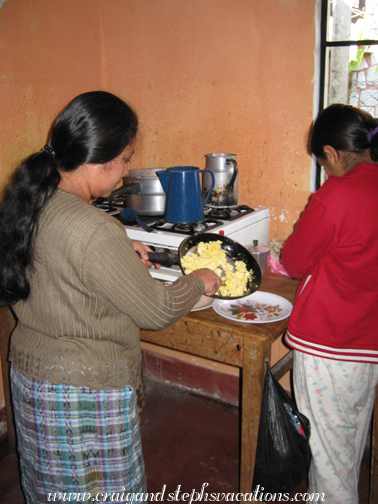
[{"x": 348, "y": 63}]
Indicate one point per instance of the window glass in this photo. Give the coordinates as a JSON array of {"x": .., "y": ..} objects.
[
  {"x": 351, "y": 66},
  {"x": 352, "y": 20}
]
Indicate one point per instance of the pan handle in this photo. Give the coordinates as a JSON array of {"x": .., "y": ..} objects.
[
  {"x": 126, "y": 189},
  {"x": 164, "y": 258}
]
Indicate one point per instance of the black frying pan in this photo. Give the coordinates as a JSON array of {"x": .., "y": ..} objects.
[{"x": 234, "y": 251}]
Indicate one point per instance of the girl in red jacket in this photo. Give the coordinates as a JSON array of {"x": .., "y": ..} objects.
[{"x": 334, "y": 325}]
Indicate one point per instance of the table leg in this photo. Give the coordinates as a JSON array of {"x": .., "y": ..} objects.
[{"x": 255, "y": 354}]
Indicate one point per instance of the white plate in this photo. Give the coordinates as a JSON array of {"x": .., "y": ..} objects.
[
  {"x": 202, "y": 303},
  {"x": 258, "y": 308}
]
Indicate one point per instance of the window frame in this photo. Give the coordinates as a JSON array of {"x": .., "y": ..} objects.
[{"x": 324, "y": 45}]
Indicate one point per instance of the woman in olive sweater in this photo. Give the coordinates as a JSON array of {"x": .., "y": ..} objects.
[{"x": 80, "y": 293}]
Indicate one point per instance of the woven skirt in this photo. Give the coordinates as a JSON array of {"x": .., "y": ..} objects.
[{"x": 79, "y": 443}]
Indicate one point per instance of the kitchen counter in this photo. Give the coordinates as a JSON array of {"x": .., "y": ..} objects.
[{"x": 206, "y": 334}]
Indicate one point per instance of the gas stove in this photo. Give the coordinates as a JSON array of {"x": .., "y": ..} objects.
[{"x": 240, "y": 223}]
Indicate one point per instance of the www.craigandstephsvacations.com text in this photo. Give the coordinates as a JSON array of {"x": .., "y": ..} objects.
[{"x": 189, "y": 497}]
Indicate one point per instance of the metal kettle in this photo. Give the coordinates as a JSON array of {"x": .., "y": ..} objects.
[
  {"x": 182, "y": 185},
  {"x": 225, "y": 170}
]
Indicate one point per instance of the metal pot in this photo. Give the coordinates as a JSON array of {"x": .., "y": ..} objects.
[
  {"x": 151, "y": 198},
  {"x": 225, "y": 170}
]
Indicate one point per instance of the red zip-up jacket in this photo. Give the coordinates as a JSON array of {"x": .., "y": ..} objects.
[{"x": 334, "y": 250}]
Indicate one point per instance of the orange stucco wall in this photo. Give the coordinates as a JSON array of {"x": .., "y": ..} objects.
[{"x": 204, "y": 76}]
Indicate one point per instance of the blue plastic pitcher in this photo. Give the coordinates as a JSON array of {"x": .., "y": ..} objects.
[{"x": 182, "y": 185}]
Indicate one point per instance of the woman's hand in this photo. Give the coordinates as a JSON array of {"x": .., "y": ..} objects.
[
  {"x": 142, "y": 250},
  {"x": 211, "y": 280}
]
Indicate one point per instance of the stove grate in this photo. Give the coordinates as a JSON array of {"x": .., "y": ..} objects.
[
  {"x": 228, "y": 213},
  {"x": 187, "y": 229}
]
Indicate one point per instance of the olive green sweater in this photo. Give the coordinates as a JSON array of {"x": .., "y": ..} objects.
[{"x": 90, "y": 295}]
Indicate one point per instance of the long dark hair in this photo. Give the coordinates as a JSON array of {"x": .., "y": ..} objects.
[
  {"x": 345, "y": 128},
  {"x": 94, "y": 127}
]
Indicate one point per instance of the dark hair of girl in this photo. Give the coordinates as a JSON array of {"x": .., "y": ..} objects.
[
  {"x": 345, "y": 128},
  {"x": 94, "y": 127}
]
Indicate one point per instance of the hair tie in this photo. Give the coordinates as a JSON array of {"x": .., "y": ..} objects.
[
  {"x": 49, "y": 149},
  {"x": 372, "y": 133}
]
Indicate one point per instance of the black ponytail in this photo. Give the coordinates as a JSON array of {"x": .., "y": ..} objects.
[
  {"x": 345, "y": 128},
  {"x": 32, "y": 184},
  {"x": 95, "y": 127}
]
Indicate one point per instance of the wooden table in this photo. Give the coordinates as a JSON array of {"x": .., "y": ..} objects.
[
  {"x": 206, "y": 334},
  {"x": 248, "y": 346}
]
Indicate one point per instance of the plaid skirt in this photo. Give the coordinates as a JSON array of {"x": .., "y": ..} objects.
[{"x": 77, "y": 442}]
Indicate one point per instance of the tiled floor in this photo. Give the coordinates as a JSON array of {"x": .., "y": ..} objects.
[{"x": 188, "y": 441}]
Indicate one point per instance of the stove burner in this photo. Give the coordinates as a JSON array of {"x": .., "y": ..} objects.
[
  {"x": 228, "y": 213},
  {"x": 106, "y": 207},
  {"x": 188, "y": 229},
  {"x": 183, "y": 228},
  {"x": 110, "y": 204}
]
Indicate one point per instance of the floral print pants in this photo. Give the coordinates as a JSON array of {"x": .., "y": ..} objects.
[{"x": 338, "y": 398}]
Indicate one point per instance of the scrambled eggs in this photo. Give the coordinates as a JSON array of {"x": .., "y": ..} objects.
[{"x": 210, "y": 255}]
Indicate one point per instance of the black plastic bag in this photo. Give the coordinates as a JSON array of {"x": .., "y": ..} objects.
[{"x": 283, "y": 454}]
